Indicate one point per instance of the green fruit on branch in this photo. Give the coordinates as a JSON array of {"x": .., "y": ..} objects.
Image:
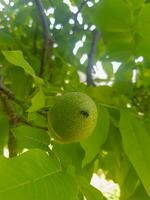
[{"x": 72, "y": 118}]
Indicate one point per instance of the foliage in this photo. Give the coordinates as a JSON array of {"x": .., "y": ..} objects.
[{"x": 46, "y": 47}]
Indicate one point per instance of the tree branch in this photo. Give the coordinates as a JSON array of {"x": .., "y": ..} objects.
[
  {"x": 91, "y": 58},
  {"x": 13, "y": 117},
  {"x": 11, "y": 96},
  {"x": 12, "y": 145},
  {"x": 7, "y": 107},
  {"x": 81, "y": 6},
  {"x": 19, "y": 102},
  {"x": 47, "y": 39},
  {"x": 13, "y": 120},
  {"x": 35, "y": 38}
]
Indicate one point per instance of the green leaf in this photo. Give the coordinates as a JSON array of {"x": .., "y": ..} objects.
[
  {"x": 139, "y": 194},
  {"x": 136, "y": 3},
  {"x": 136, "y": 142},
  {"x": 120, "y": 45},
  {"x": 143, "y": 28},
  {"x": 6, "y": 39},
  {"x": 69, "y": 154},
  {"x": 34, "y": 175},
  {"x": 17, "y": 75},
  {"x": 115, "y": 19},
  {"x": 144, "y": 18},
  {"x": 108, "y": 68},
  {"x": 123, "y": 79},
  {"x": 129, "y": 183},
  {"x": 111, "y": 157},
  {"x": 17, "y": 58},
  {"x": 37, "y": 119},
  {"x": 89, "y": 191},
  {"x": 101, "y": 94},
  {"x": 29, "y": 137},
  {"x": 92, "y": 144},
  {"x": 38, "y": 101},
  {"x": 112, "y": 16}
]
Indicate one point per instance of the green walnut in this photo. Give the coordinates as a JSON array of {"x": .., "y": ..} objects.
[{"x": 72, "y": 118}]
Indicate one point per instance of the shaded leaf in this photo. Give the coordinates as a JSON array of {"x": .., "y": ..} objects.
[
  {"x": 139, "y": 194},
  {"x": 112, "y": 16},
  {"x": 136, "y": 142},
  {"x": 129, "y": 183},
  {"x": 17, "y": 58},
  {"x": 69, "y": 154},
  {"x": 108, "y": 68},
  {"x": 92, "y": 144},
  {"x": 17, "y": 75},
  {"x": 143, "y": 28},
  {"x": 89, "y": 191},
  {"x": 29, "y": 137},
  {"x": 6, "y": 39}
]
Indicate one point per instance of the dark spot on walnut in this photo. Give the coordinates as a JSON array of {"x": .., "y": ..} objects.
[{"x": 84, "y": 113}]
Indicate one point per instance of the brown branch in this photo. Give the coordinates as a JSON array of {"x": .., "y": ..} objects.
[
  {"x": 91, "y": 58},
  {"x": 19, "y": 102},
  {"x": 12, "y": 145},
  {"x": 5, "y": 96},
  {"x": 11, "y": 96},
  {"x": 47, "y": 39},
  {"x": 13, "y": 120},
  {"x": 8, "y": 108}
]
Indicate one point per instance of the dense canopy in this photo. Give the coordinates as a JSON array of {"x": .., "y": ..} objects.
[{"x": 49, "y": 48}]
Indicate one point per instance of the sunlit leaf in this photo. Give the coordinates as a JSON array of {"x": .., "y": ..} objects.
[
  {"x": 29, "y": 137},
  {"x": 34, "y": 175},
  {"x": 38, "y": 101}
]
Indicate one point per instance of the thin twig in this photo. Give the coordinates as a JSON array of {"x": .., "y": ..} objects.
[
  {"x": 35, "y": 38},
  {"x": 14, "y": 118},
  {"x": 19, "y": 102},
  {"x": 47, "y": 39},
  {"x": 75, "y": 16},
  {"x": 91, "y": 58}
]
